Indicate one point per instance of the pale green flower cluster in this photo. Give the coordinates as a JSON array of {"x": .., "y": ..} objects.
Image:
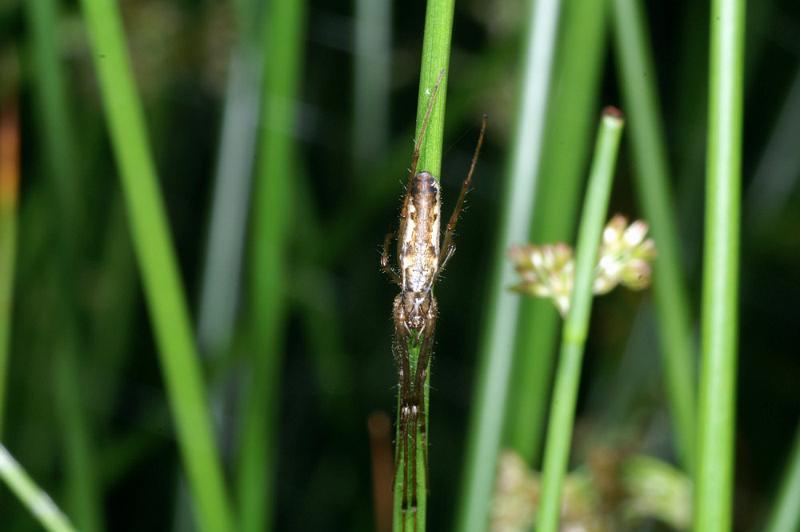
[{"x": 625, "y": 258}]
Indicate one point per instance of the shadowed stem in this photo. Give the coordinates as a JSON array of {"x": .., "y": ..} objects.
[
  {"x": 638, "y": 82},
  {"x": 9, "y": 194},
  {"x": 267, "y": 276}
]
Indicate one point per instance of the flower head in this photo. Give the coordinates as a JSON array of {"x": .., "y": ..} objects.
[{"x": 625, "y": 257}]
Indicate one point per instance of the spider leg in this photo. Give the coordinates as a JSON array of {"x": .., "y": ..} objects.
[
  {"x": 423, "y": 362},
  {"x": 448, "y": 246},
  {"x": 426, "y": 119},
  {"x": 403, "y": 450},
  {"x": 385, "y": 266}
]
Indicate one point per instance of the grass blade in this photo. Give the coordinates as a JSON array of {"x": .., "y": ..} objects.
[
  {"x": 9, "y": 193},
  {"x": 232, "y": 183},
  {"x": 284, "y": 31},
  {"x": 38, "y": 502},
  {"x": 158, "y": 265},
  {"x": 716, "y": 416},
  {"x": 576, "y": 324},
  {"x": 638, "y": 83},
  {"x": 60, "y": 150},
  {"x": 373, "y": 75},
  {"x": 497, "y": 343}
]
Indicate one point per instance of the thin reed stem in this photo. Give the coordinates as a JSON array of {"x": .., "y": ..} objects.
[
  {"x": 638, "y": 82},
  {"x": 271, "y": 217},
  {"x": 497, "y": 338},
  {"x": 434, "y": 68},
  {"x": 567, "y": 148},
  {"x": 60, "y": 151},
  {"x": 158, "y": 265},
  {"x": 372, "y": 79},
  {"x": 9, "y": 194},
  {"x": 37, "y": 500},
  {"x": 576, "y": 325},
  {"x": 716, "y": 415}
]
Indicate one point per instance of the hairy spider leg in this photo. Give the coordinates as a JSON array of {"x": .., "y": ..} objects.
[
  {"x": 413, "y": 412},
  {"x": 386, "y": 266},
  {"x": 418, "y": 142},
  {"x": 448, "y": 246},
  {"x": 423, "y": 362}
]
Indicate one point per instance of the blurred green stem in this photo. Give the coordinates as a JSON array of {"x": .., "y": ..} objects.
[
  {"x": 785, "y": 514},
  {"x": 576, "y": 324},
  {"x": 58, "y": 131},
  {"x": 500, "y": 323},
  {"x": 716, "y": 417},
  {"x": 284, "y": 34},
  {"x": 38, "y": 502},
  {"x": 638, "y": 83},
  {"x": 570, "y": 124},
  {"x": 232, "y": 183},
  {"x": 373, "y": 75},
  {"x": 9, "y": 194},
  {"x": 82, "y": 490},
  {"x": 158, "y": 265}
]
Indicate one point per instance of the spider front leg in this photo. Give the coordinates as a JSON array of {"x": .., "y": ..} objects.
[
  {"x": 413, "y": 418},
  {"x": 448, "y": 246},
  {"x": 385, "y": 259},
  {"x": 405, "y": 451}
]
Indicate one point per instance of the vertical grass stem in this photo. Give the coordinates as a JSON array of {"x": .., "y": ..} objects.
[
  {"x": 270, "y": 227},
  {"x": 638, "y": 82},
  {"x": 716, "y": 414},
  {"x": 158, "y": 265},
  {"x": 576, "y": 325},
  {"x": 37, "y": 500}
]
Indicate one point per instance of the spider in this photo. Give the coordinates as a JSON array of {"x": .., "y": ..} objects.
[{"x": 420, "y": 261}]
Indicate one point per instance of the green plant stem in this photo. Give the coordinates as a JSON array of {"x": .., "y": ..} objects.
[
  {"x": 435, "y": 63},
  {"x": 576, "y": 325},
  {"x": 38, "y": 502},
  {"x": 284, "y": 31},
  {"x": 82, "y": 491},
  {"x": 498, "y": 334},
  {"x": 434, "y": 66},
  {"x": 372, "y": 80},
  {"x": 9, "y": 194},
  {"x": 158, "y": 265},
  {"x": 638, "y": 82},
  {"x": 58, "y": 132},
  {"x": 716, "y": 416},
  {"x": 220, "y": 285},
  {"x": 785, "y": 514},
  {"x": 570, "y": 125}
]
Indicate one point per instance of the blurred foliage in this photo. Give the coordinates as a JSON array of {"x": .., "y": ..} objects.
[{"x": 338, "y": 365}]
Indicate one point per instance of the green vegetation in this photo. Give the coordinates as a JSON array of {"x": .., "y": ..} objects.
[
  {"x": 199, "y": 343},
  {"x": 717, "y": 405},
  {"x": 576, "y": 324}
]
